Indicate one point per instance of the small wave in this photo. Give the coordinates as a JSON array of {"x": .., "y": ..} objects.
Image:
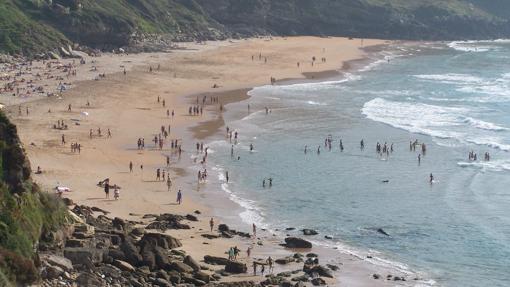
[
  {"x": 250, "y": 214},
  {"x": 471, "y": 46},
  {"x": 316, "y": 103},
  {"x": 451, "y": 78},
  {"x": 497, "y": 165},
  {"x": 436, "y": 121},
  {"x": 484, "y": 125}
]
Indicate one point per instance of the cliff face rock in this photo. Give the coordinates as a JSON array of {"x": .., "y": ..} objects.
[
  {"x": 27, "y": 216},
  {"x": 14, "y": 167},
  {"x": 32, "y": 26}
]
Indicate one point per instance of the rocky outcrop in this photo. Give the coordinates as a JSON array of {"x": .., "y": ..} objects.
[{"x": 294, "y": 242}]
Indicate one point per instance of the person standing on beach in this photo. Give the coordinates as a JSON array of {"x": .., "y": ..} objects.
[
  {"x": 130, "y": 166},
  {"x": 431, "y": 179},
  {"x": 211, "y": 223},
  {"x": 254, "y": 227},
  {"x": 419, "y": 159},
  {"x": 168, "y": 183},
  {"x": 269, "y": 262},
  {"x": 248, "y": 251},
  {"x": 107, "y": 189},
  {"x": 226, "y": 176},
  {"x": 179, "y": 197}
]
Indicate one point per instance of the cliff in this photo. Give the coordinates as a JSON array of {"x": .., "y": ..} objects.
[{"x": 26, "y": 213}]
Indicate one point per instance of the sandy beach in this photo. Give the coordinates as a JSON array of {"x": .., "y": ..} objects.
[{"x": 127, "y": 105}]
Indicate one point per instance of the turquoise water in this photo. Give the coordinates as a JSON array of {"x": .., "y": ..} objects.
[{"x": 455, "y": 98}]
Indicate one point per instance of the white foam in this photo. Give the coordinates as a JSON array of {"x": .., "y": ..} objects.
[
  {"x": 435, "y": 121},
  {"x": 484, "y": 125},
  {"x": 497, "y": 165},
  {"x": 250, "y": 214},
  {"x": 451, "y": 78},
  {"x": 472, "y": 46},
  {"x": 313, "y": 103}
]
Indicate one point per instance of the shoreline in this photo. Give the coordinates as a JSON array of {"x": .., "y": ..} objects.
[
  {"x": 214, "y": 121},
  {"x": 352, "y": 255}
]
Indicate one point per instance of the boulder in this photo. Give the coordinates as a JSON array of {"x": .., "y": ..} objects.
[
  {"x": 52, "y": 272},
  {"x": 191, "y": 217},
  {"x": 180, "y": 267},
  {"x": 162, "y": 283},
  {"x": 123, "y": 265},
  {"x": 148, "y": 257},
  {"x": 117, "y": 254},
  {"x": 321, "y": 270},
  {"x": 131, "y": 252},
  {"x": 309, "y": 232},
  {"x": 87, "y": 279},
  {"x": 188, "y": 260},
  {"x": 202, "y": 276},
  {"x": 161, "y": 257},
  {"x": 223, "y": 228},
  {"x": 213, "y": 260},
  {"x": 59, "y": 261},
  {"x": 161, "y": 240},
  {"x": 294, "y": 242},
  {"x": 318, "y": 281},
  {"x": 84, "y": 256},
  {"x": 285, "y": 260},
  {"x": 236, "y": 267}
]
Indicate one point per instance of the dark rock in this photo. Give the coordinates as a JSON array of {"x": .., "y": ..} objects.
[
  {"x": 202, "y": 276},
  {"x": 309, "y": 232},
  {"x": 311, "y": 255},
  {"x": 87, "y": 279},
  {"x": 328, "y": 237},
  {"x": 235, "y": 267},
  {"x": 123, "y": 266},
  {"x": 180, "y": 267},
  {"x": 197, "y": 212},
  {"x": 188, "y": 260},
  {"x": 333, "y": 267},
  {"x": 116, "y": 254},
  {"x": 52, "y": 272},
  {"x": 162, "y": 282},
  {"x": 161, "y": 257},
  {"x": 213, "y": 260},
  {"x": 148, "y": 257},
  {"x": 294, "y": 242},
  {"x": 285, "y": 260},
  {"x": 83, "y": 256},
  {"x": 223, "y": 228},
  {"x": 321, "y": 270},
  {"x": 138, "y": 231},
  {"x": 59, "y": 261},
  {"x": 191, "y": 217},
  {"x": 161, "y": 240},
  {"x": 376, "y": 276},
  {"x": 290, "y": 228},
  {"x": 318, "y": 281},
  {"x": 131, "y": 252},
  {"x": 210, "y": 236}
]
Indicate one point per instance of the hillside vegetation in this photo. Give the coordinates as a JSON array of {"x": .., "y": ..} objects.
[
  {"x": 25, "y": 213},
  {"x": 32, "y": 26}
]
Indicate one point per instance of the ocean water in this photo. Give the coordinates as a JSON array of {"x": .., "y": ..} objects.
[{"x": 453, "y": 97}]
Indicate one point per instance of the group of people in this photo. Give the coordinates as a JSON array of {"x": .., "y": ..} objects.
[
  {"x": 60, "y": 125},
  {"x": 75, "y": 147},
  {"x": 195, "y": 110},
  {"x": 473, "y": 157},
  {"x": 269, "y": 263}
]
